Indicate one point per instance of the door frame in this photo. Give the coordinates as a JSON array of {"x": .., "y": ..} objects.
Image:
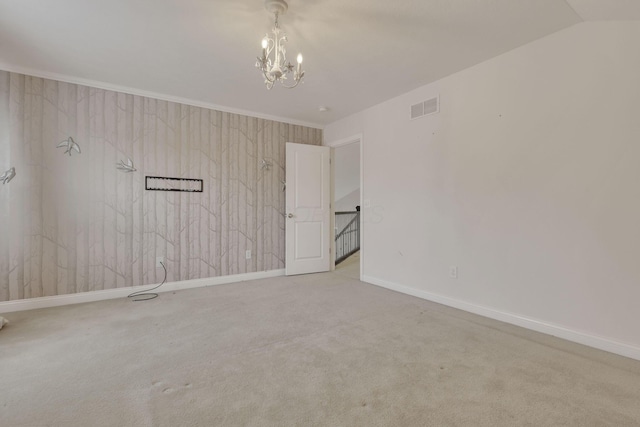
[{"x": 335, "y": 144}]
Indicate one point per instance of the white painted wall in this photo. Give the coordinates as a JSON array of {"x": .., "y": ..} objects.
[
  {"x": 347, "y": 176},
  {"x": 528, "y": 181},
  {"x": 349, "y": 202}
]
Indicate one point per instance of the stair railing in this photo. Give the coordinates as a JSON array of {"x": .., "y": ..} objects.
[{"x": 348, "y": 238}]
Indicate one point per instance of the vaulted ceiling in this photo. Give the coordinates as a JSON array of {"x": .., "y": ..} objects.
[{"x": 357, "y": 52}]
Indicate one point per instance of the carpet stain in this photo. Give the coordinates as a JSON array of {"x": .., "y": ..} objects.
[{"x": 169, "y": 389}]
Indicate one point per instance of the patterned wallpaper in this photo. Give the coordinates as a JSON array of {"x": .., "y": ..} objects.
[{"x": 75, "y": 223}]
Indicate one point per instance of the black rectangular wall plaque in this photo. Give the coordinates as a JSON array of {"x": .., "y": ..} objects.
[{"x": 163, "y": 183}]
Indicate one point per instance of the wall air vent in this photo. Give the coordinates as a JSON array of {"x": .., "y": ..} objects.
[{"x": 428, "y": 107}]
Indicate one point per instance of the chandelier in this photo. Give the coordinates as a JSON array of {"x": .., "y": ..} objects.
[{"x": 275, "y": 68}]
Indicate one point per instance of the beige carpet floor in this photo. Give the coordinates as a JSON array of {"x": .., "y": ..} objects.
[{"x": 314, "y": 350}]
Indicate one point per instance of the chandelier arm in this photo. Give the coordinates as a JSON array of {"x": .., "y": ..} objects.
[
  {"x": 283, "y": 52},
  {"x": 270, "y": 46},
  {"x": 292, "y": 86},
  {"x": 268, "y": 78},
  {"x": 276, "y": 44}
]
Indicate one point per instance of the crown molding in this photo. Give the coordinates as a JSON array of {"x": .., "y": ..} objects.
[{"x": 149, "y": 94}]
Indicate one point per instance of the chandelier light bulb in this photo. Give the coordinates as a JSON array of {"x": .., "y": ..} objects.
[
  {"x": 299, "y": 58},
  {"x": 265, "y": 43}
]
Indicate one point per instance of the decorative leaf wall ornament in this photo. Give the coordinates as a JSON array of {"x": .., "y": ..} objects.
[
  {"x": 8, "y": 175},
  {"x": 126, "y": 167},
  {"x": 264, "y": 165},
  {"x": 69, "y": 144}
]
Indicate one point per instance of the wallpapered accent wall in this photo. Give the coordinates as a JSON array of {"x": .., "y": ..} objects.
[{"x": 75, "y": 223}]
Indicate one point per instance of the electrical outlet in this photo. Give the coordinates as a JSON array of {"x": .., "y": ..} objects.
[
  {"x": 247, "y": 254},
  {"x": 159, "y": 261},
  {"x": 453, "y": 272}
]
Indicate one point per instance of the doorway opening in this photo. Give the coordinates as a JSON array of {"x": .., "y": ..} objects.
[{"x": 346, "y": 203}]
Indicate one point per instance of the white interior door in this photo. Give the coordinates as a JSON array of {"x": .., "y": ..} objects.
[{"x": 308, "y": 211}]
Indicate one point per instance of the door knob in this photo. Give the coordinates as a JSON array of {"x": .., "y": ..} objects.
[{"x": 290, "y": 215}]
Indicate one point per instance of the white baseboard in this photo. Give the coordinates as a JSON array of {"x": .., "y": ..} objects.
[
  {"x": 594, "y": 341},
  {"x": 59, "y": 300}
]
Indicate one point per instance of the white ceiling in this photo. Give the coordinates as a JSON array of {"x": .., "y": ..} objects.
[{"x": 357, "y": 52}]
